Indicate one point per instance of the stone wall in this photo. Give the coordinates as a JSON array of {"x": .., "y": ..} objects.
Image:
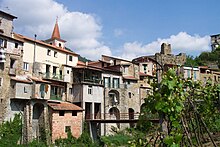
[{"x": 59, "y": 124}]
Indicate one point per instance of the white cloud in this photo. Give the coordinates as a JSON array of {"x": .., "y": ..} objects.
[
  {"x": 182, "y": 42},
  {"x": 118, "y": 32},
  {"x": 81, "y": 31}
]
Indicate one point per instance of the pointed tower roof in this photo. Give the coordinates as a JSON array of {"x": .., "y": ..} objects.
[{"x": 56, "y": 32}]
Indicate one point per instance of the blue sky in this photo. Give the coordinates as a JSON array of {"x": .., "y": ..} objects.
[{"x": 122, "y": 28}]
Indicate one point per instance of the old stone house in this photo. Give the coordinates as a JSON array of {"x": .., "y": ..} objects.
[{"x": 64, "y": 117}]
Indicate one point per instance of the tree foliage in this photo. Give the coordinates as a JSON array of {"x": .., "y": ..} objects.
[
  {"x": 188, "y": 109},
  {"x": 10, "y": 132}
]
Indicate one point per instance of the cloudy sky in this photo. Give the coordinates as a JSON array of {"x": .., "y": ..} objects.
[{"x": 121, "y": 28}]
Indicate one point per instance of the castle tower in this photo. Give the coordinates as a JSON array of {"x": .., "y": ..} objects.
[{"x": 165, "y": 49}]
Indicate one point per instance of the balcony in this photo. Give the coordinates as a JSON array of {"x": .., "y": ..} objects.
[
  {"x": 119, "y": 86},
  {"x": 53, "y": 76},
  {"x": 56, "y": 97},
  {"x": 88, "y": 80}
]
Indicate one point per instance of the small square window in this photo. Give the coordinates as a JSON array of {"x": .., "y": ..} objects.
[
  {"x": 61, "y": 113},
  {"x": 25, "y": 90},
  {"x": 70, "y": 58},
  {"x": 55, "y": 54},
  {"x": 67, "y": 129},
  {"x": 74, "y": 113},
  {"x": 16, "y": 45},
  {"x": 49, "y": 52}
]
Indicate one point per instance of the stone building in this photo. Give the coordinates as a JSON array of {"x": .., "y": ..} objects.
[
  {"x": 166, "y": 60},
  {"x": 11, "y": 51},
  {"x": 64, "y": 117},
  {"x": 215, "y": 41},
  {"x": 46, "y": 77}
]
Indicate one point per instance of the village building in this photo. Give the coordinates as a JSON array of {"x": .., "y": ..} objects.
[{"x": 64, "y": 117}]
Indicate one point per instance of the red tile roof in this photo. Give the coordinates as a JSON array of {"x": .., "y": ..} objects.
[
  {"x": 64, "y": 106},
  {"x": 56, "y": 32},
  {"x": 129, "y": 78},
  {"x": 21, "y": 79},
  {"x": 45, "y": 44},
  {"x": 39, "y": 80},
  {"x": 143, "y": 74}
]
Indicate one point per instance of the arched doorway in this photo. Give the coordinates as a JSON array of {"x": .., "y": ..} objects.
[
  {"x": 38, "y": 120},
  {"x": 115, "y": 114},
  {"x": 131, "y": 116}
]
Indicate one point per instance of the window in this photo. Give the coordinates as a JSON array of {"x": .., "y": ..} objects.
[
  {"x": 67, "y": 71},
  {"x": 129, "y": 94},
  {"x": 60, "y": 45},
  {"x": 1, "y": 81},
  {"x": 115, "y": 83},
  {"x": 90, "y": 90},
  {"x": 70, "y": 90},
  {"x": 67, "y": 129},
  {"x": 54, "y": 70},
  {"x": 3, "y": 43},
  {"x": 26, "y": 66},
  {"x": 55, "y": 54},
  {"x": 107, "y": 82},
  {"x": 70, "y": 58},
  {"x": 126, "y": 69},
  {"x": 145, "y": 68},
  {"x": 16, "y": 45},
  {"x": 194, "y": 75},
  {"x": 49, "y": 52},
  {"x": 74, "y": 113},
  {"x": 188, "y": 74},
  {"x": 61, "y": 113},
  {"x": 12, "y": 63},
  {"x": 25, "y": 90}
]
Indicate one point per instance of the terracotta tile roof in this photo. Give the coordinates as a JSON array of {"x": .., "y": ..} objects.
[
  {"x": 39, "y": 80},
  {"x": 56, "y": 32},
  {"x": 45, "y": 44},
  {"x": 64, "y": 106},
  {"x": 143, "y": 74},
  {"x": 22, "y": 79},
  {"x": 81, "y": 63},
  {"x": 129, "y": 78}
]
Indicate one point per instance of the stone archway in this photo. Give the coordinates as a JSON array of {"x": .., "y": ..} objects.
[
  {"x": 115, "y": 114},
  {"x": 38, "y": 120},
  {"x": 113, "y": 97}
]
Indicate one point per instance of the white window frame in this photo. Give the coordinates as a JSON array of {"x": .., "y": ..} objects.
[{"x": 26, "y": 66}]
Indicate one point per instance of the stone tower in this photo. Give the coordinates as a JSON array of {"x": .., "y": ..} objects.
[{"x": 165, "y": 49}]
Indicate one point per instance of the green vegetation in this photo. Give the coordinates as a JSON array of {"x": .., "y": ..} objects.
[
  {"x": 188, "y": 112},
  {"x": 10, "y": 132},
  {"x": 205, "y": 59}
]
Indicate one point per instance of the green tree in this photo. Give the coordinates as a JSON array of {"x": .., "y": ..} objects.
[{"x": 11, "y": 131}]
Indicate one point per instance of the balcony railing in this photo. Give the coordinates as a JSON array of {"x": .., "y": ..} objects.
[
  {"x": 56, "y": 97},
  {"x": 118, "y": 116},
  {"x": 53, "y": 76},
  {"x": 122, "y": 86},
  {"x": 88, "y": 80}
]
